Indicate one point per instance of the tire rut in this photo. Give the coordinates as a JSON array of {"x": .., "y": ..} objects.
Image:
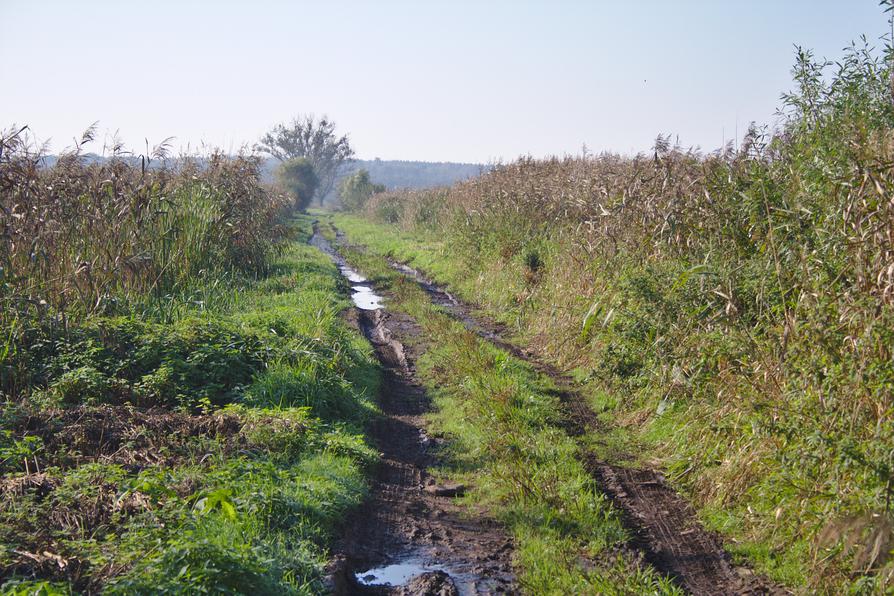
[
  {"x": 408, "y": 519},
  {"x": 664, "y": 526}
]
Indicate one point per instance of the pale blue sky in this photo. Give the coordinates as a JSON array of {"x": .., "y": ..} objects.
[{"x": 458, "y": 81}]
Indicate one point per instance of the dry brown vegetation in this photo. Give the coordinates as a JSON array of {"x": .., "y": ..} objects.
[
  {"x": 175, "y": 409},
  {"x": 734, "y": 309},
  {"x": 79, "y": 235}
]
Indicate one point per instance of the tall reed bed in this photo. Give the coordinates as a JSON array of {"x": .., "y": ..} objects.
[
  {"x": 738, "y": 307},
  {"x": 86, "y": 237},
  {"x": 181, "y": 409}
]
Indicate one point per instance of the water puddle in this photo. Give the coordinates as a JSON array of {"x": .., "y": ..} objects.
[
  {"x": 397, "y": 574},
  {"x": 417, "y": 562},
  {"x": 361, "y": 290},
  {"x": 353, "y": 276},
  {"x": 365, "y": 299},
  {"x": 362, "y": 294}
]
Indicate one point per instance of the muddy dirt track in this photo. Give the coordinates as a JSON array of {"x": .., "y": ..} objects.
[
  {"x": 409, "y": 532},
  {"x": 664, "y": 527}
]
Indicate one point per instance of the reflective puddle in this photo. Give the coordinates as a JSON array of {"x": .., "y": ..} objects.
[
  {"x": 418, "y": 561},
  {"x": 361, "y": 290},
  {"x": 395, "y": 575},
  {"x": 353, "y": 276}
]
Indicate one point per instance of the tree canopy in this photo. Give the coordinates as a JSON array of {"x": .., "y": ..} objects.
[
  {"x": 356, "y": 189},
  {"x": 314, "y": 140},
  {"x": 299, "y": 178}
]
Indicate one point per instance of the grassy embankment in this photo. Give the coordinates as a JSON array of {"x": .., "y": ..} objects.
[
  {"x": 729, "y": 315},
  {"x": 506, "y": 440},
  {"x": 182, "y": 409}
]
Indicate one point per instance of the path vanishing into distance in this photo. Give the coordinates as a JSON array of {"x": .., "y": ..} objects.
[
  {"x": 412, "y": 537},
  {"x": 253, "y": 358},
  {"x": 410, "y": 534}
]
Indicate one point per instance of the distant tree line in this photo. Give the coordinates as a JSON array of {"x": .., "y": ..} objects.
[{"x": 396, "y": 174}]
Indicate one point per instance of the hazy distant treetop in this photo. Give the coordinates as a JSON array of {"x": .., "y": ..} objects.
[
  {"x": 313, "y": 139},
  {"x": 356, "y": 189},
  {"x": 299, "y": 178}
]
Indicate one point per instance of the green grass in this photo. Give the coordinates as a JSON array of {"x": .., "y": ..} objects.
[
  {"x": 772, "y": 469},
  {"x": 213, "y": 451},
  {"x": 506, "y": 440},
  {"x": 729, "y": 314}
]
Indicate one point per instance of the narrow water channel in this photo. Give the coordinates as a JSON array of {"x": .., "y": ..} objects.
[{"x": 362, "y": 293}]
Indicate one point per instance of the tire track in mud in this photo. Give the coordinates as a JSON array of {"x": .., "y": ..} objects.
[
  {"x": 663, "y": 525},
  {"x": 409, "y": 531}
]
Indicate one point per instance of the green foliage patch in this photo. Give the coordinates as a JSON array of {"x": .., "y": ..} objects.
[
  {"x": 730, "y": 313},
  {"x": 215, "y": 451}
]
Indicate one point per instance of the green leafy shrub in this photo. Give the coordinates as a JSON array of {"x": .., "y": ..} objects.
[
  {"x": 202, "y": 567},
  {"x": 86, "y": 385},
  {"x": 34, "y": 588},
  {"x": 138, "y": 455}
]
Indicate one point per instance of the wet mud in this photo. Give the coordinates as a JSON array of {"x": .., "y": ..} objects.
[
  {"x": 664, "y": 527},
  {"x": 411, "y": 537}
]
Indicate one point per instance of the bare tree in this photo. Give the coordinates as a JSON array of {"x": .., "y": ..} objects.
[{"x": 316, "y": 141}]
